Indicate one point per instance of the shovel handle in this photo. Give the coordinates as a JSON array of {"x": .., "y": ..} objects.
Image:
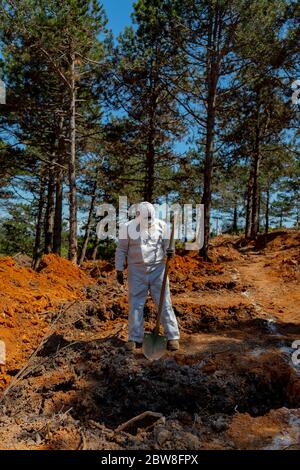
[{"x": 163, "y": 287}]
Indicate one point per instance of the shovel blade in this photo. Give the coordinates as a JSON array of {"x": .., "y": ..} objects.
[{"x": 154, "y": 346}]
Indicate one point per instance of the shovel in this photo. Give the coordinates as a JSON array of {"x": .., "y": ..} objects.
[{"x": 154, "y": 344}]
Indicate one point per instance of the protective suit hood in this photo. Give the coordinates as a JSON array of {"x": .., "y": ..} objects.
[{"x": 145, "y": 210}]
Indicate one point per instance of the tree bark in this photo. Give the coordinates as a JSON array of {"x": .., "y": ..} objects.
[
  {"x": 267, "y": 211},
  {"x": 255, "y": 196},
  {"x": 150, "y": 153},
  {"x": 281, "y": 218},
  {"x": 49, "y": 217},
  {"x": 256, "y": 170},
  {"x": 89, "y": 221},
  {"x": 95, "y": 250},
  {"x": 258, "y": 212},
  {"x": 39, "y": 224},
  {"x": 72, "y": 170},
  {"x": 212, "y": 78},
  {"x": 57, "y": 231},
  {"x": 150, "y": 158}
]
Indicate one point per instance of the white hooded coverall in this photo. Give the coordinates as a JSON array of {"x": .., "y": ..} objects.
[{"x": 146, "y": 262}]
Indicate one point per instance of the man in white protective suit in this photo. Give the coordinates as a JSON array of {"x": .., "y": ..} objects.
[{"x": 144, "y": 245}]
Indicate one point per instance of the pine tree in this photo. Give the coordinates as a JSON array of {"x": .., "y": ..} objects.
[
  {"x": 144, "y": 58},
  {"x": 54, "y": 52}
]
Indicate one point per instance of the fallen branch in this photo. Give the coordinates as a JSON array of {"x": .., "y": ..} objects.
[{"x": 143, "y": 420}]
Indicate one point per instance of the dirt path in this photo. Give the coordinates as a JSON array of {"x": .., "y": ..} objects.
[{"x": 276, "y": 296}]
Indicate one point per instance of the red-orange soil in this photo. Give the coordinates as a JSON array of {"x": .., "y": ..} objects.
[{"x": 232, "y": 385}]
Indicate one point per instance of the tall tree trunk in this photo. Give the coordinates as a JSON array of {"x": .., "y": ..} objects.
[
  {"x": 49, "y": 217},
  {"x": 150, "y": 153},
  {"x": 149, "y": 184},
  {"x": 256, "y": 169},
  {"x": 267, "y": 210},
  {"x": 39, "y": 224},
  {"x": 72, "y": 170},
  {"x": 259, "y": 211},
  {"x": 89, "y": 221},
  {"x": 206, "y": 198},
  {"x": 281, "y": 218},
  {"x": 255, "y": 198},
  {"x": 212, "y": 79},
  {"x": 95, "y": 250},
  {"x": 57, "y": 231}
]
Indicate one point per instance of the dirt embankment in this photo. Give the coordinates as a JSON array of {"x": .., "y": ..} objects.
[
  {"x": 231, "y": 386},
  {"x": 27, "y": 300}
]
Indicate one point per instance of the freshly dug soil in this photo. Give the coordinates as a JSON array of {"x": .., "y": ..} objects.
[{"x": 232, "y": 385}]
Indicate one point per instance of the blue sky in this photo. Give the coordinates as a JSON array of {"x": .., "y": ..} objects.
[{"x": 118, "y": 13}]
